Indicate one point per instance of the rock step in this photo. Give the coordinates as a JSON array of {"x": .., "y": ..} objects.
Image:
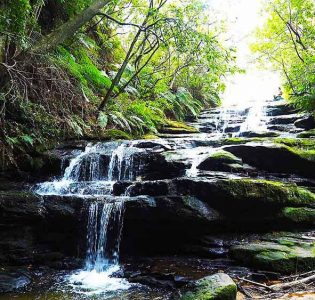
[{"x": 278, "y": 252}]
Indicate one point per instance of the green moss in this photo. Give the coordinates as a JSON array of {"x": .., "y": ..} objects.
[
  {"x": 299, "y": 214},
  {"x": 234, "y": 140},
  {"x": 116, "y": 134},
  {"x": 149, "y": 137},
  {"x": 299, "y": 143},
  {"x": 240, "y": 140},
  {"x": 266, "y": 191},
  {"x": 225, "y": 157},
  {"x": 285, "y": 255},
  {"x": 307, "y": 134},
  {"x": 176, "y": 127},
  {"x": 301, "y": 147},
  {"x": 216, "y": 287}
]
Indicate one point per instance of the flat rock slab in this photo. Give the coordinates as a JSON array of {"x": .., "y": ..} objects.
[{"x": 279, "y": 253}]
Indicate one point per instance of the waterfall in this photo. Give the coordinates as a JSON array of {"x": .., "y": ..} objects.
[
  {"x": 105, "y": 219},
  {"x": 94, "y": 171},
  {"x": 255, "y": 119}
]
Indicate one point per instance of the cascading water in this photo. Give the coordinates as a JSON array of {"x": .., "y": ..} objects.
[
  {"x": 255, "y": 119},
  {"x": 94, "y": 172}
]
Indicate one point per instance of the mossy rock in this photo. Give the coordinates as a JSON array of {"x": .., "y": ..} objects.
[
  {"x": 150, "y": 137},
  {"x": 264, "y": 134},
  {"x": 241, "y": 140},
  {"x": 303, "y": 144},
  {"x": 219, "y": 286},
  {"x": 284, "y": 255},
  {"x": 276, "y": 158},
  {"x": 225, "y": 157},
  {"x": 307, "y": 134},
  {"x": 300, "y": 215},
  {"x": 115, "y": 134},
  {"x": 175, "y": 127},
  {"x": 221, "y": 161},
  {"x": 266, "y": 191}
]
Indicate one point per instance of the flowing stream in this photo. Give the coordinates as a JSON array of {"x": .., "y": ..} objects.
[{"x": 94, "y": 171}]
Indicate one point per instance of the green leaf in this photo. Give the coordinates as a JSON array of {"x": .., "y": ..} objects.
[
  {"x": 27, "y": 139},
  {"x": 102, "y": 120}
]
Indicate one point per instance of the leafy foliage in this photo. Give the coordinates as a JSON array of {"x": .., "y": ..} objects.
[
  {"x": 173, "y": 70},
  {"x": 287, "y": 40}
]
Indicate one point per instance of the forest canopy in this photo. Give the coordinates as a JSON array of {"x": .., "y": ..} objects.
[
  {"x": 287, "y": 41},
  {"x": 103, "y": 69}
]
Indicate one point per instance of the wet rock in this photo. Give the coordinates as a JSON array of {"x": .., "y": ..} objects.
[
  {"x": 203, "y": 251},
  {"x": 237, "y": 202},
  {"x": 234, "y": 128},
  {"x": 286, "y": 119},
  {"x": 14, "y": 280},
  {"x": 252, "y": 134},
  {"x": 307, "y": 134},
  {"x": 274, "y": 158},
  {"x": 299, "y": 215},
  {"x": 233, "y": 195},
  {"x": 214, "y": 287},
  {"x": 279, "y": 253},
  {"x": 222, "y": 161},
  {"x": 174, "y": 127},
  {"x": 34, "y": 228},
  {"x": 278, "y": 109},
  {"x": 284, "y": 128},
  {"x": 171, "y": 220},
  {"x": 151, "y": 145},
  {"x": 54, "y": 161},
  {"x": 158, "y": 166},
  {"x": 207, "y": 127},
  {"x": 306, "y": 123}
]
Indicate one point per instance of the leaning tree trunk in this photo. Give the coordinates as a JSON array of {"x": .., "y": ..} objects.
[{"x": 68, "y": 29}]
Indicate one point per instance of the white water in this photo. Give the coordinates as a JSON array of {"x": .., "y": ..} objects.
[
  {"x": 255, "y": 119},
  {"x": 86, "y": 174},
  {"x": 94, "y": 171}
]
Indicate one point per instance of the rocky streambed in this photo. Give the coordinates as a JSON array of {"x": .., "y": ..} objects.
[{"x": 222, "y": 206}]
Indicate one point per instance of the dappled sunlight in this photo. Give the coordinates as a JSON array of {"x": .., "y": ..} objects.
[{"x": 255, "y": 85}]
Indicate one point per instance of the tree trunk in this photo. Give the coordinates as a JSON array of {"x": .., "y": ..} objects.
[
  {"x": 120, "y": 72},
  {"x": 68, "y": 29}
]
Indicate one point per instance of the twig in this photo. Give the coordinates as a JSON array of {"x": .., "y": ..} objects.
[
  {"x": 280, "y": 286},
  {"x": 256, "y": 283},
  {"x": 298, "y": 275},
  {"x": 243, "y": 290}
]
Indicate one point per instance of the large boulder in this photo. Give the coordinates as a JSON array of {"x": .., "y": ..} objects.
[
  {"x": 223, "y": 161},
  {"x": 275, "y": 158},
  {"x": 35, "y": 228},
  {"x": 240, "y": 201},
  {"x": 173, "y": 221},
  {"x": 219, "y": 286},
  {"x": 179, "y": 211},
  {"x": 279, "y": 253},
  {"x": 13, "y": 279},
  {"x": 307, "y": 123},
  {"x": 279, "y": 109},
  {"x": 285, "y": 119}
]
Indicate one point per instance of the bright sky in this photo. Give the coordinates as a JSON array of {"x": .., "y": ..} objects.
[{"x": 242, "y": 17}]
